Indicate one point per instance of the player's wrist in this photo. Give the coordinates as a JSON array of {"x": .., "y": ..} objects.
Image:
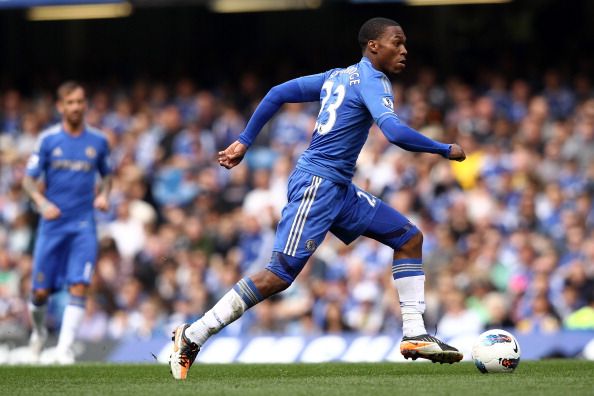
[
  {"x": 243, "y": 140},
  {"x": 44, "y": 205}
]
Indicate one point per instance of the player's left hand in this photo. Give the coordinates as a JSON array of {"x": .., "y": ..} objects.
[
  {"x": 101, "y": 202},
  {"x": 457, "y": 153},
  {"x": 232, "y": 155}
]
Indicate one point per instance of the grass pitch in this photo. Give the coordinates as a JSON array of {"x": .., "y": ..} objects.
[{"x": 550, "y": 377}]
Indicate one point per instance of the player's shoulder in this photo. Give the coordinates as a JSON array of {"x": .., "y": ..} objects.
[
  {"x": 50, "y": 131},
  {"x": 367, "y": 68},
  {"x": 49, "y": 134},
  {"x": 369, "y": 72},
  {"x": 342, "y": 72},
  {"x": 95, "y": 133},
  {"x": 371, "y": 75}
]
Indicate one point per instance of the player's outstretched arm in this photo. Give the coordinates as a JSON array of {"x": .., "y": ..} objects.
[
  {"x": 302, "y": 89},
  {"x": 407, "y": 138},
  {"x": 47, "y": 209},
  {"x": 232, "y": 155}
]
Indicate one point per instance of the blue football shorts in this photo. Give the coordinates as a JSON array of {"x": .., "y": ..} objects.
[
  {"x": 64, "y": 258},
  {"x": 316, "y": 206}
]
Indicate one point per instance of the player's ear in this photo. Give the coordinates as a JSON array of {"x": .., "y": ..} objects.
[
  {"x": 60, "y": 106},
  {"x": 372, "y": 45}
]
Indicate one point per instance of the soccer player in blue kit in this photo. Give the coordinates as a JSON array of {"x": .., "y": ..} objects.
[
  {"x": 322, "y": 197},
  {"x": 67, "y": 158}
]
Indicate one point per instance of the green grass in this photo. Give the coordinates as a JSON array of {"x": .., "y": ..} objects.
[{"x": 550, "y": 377}]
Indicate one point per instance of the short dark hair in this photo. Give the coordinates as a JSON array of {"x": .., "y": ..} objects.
[
  {"x": 372, "y": 29},
  {"x": 66, "y": 88}
]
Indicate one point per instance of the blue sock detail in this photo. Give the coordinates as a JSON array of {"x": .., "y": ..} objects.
[
  {"x": 78, "y": 301},
  {"x": 248, "y": 292},
  {"x": 403, "y": 268}
]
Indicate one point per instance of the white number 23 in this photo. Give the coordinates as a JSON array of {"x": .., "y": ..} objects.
[{"x": 338, "y": 94}]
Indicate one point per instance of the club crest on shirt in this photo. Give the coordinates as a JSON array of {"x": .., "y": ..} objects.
[
  {"x": 386, "y": 101},
  {"x": 90, "y": 152},
  {"x": 311, "y": 245},
  {"x": 57, "y": 152}
]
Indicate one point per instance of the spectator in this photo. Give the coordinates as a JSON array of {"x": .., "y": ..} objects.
[{"x": 518, "y": 214}]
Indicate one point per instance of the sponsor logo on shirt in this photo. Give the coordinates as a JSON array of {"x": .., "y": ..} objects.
[{"x": 76, "y": 166}]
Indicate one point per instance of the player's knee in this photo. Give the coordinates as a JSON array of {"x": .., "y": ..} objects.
[
  {"x": 268, "y": 283},
  {"x": 39, "y": 296},
  {"x": 78, "y": 290},
  {"x": 282, "y": 270},
  {"x": 413, "y": 247}
]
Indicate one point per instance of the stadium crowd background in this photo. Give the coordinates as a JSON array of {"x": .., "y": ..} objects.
[{"x": 509, "y": 233}]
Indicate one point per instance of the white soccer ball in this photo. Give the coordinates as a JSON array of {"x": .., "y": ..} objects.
[{"x": 496, "y": 351}]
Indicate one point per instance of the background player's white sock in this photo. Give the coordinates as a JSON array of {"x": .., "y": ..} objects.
[
  {"x": 229, "y": 308},
  {"x": 73, "y": 316},
  {"x": 38, "y": 313},
  {"x": 411, "y": 290}
]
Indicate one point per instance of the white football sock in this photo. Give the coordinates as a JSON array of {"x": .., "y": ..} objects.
[
  {"x": 37, "y": 313},
  {"x": 229, "y": 308},
  {"x": 73, "y": 316},
  {"x": 411, "y": 290}
]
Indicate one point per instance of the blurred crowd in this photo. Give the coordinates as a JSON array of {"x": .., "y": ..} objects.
[{"x": 508, "y": 234}]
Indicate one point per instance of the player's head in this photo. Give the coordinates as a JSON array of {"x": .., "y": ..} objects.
[
  {"x": 72, "y": 102},
  {"x": 382, "y": 41}
]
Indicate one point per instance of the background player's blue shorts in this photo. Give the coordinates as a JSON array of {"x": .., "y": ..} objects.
[
  {"x": 316, "y": 206},
  {"x": 64, "y": 258}
]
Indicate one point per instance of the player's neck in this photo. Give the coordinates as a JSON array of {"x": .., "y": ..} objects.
[
  {"x": 372, "y": 61},
  {"x": 73, "y": 130}
]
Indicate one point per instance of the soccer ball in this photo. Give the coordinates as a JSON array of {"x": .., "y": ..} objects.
[{"x": 496, "y": 351}]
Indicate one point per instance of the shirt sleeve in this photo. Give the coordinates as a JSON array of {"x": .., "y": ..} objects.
[
  {"x": 311, "y": 86},
  {"x": 38, "y": 159},
  {"x": 407, "y": 138},
  {"x": 302, "y": 89},
  {"x": 376, "y": 93},
  {"x": 104, "y": 161}
]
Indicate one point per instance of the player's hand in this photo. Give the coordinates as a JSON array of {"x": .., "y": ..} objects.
[
  {"x": 49, "y": 211},
  {"x": 456, "y": 153},
  {"x": 232, "y": 155},
  {"x": 101, "y": 202}
]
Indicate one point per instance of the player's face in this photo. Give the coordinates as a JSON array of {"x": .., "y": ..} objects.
[
  {"x": 73, "y": 106},
  {"x": 390, "y": 52}
]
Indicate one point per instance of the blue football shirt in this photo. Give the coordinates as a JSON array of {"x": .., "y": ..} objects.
[
  {"x": 351, "y": 100},
  {"x": 69, "y": 165}
]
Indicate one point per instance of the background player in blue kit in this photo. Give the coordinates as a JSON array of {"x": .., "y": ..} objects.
[
  {"x": 67, "y": 158},
  {"x": 322, "y": 197}
]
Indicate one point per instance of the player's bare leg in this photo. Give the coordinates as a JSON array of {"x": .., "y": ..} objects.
[
  {"x": 410, "y": 282},
  {"x": 188, "y": 339}
]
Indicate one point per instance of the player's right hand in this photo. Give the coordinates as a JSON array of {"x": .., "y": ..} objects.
[
  {"x": 232, "y": 155},
  {"x": 49, "y": 211},
  {"x": 457, "y": 153}
]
